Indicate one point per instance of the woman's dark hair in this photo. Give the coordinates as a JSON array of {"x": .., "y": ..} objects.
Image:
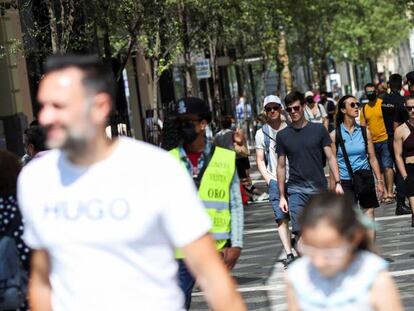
[
  {"x": 170, "y": 135},
  {"x": 293, "y": 97},
  {"x": 10, "y": 167},
  {"x": 36, "y": 136},
  {"x": 339, "y": 115},
  {"x": 339, "y": 211}
]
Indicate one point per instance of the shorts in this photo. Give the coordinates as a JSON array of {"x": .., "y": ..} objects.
[
  {"x": 383, "y": 155},
  {"x": 369, "y": 200},
  {"x": 297, "y": 203},
  {"x": 409, "y": 181},
  {"x": 274, "y": 199}
]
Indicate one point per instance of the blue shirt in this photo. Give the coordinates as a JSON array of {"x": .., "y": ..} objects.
[
  {"x": 236, "y": 204},
  {"x": 355, "y": 148}
]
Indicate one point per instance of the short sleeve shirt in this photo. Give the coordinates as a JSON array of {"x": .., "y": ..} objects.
[
  {"x": 120, "y": 218},
  {"x": 260, "y": 144},
  {"x": 374, "y": 120},
  {"x": 304, "y": 149}
]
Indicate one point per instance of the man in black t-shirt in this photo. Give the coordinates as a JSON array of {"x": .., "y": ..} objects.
[
  {"x": 303, "y": 144},
  {"x": 394, "y": 114}
]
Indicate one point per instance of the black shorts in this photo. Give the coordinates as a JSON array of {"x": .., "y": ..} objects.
[
  {"x": 242, "y": 164},
  {"x": 368, "y": 200},
  {"x": 409, "y": 181}
]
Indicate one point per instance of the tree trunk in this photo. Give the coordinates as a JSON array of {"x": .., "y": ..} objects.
[
  {"x": 284, "y": 59},
  {"x": 54, "y": 35},
  {"x": 187, "y": 49},
  {"x": 215, "y": 77}
]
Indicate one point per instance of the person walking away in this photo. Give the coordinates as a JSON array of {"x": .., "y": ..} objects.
[
  {"x": 304, "y": 144},
  {"x": 338, "y": 269},
  {"x": 372, "y": 117},
  {"x": 266, "y": 159},
  {"x": 314, "y": 112},
  {"x": 356, "y": 159},
  {"x": 97, "y": 209},
  {"x": 404, "y": 152},
  {"x": 330, "y": 109},
  {"x": 395, "y": 114},
  {"x": 11, "y": 226},
  {"x": 214, "y": 174}
]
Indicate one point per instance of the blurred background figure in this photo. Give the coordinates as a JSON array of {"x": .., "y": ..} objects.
[
  {"x": 315, "y": 112},
  {"x": 338, "y": 269},
  {"x": 11, "y": 225},
  {"x": 34, "y": 143}
]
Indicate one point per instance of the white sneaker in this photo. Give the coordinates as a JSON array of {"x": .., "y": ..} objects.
[{"x": 263, "y": 197}]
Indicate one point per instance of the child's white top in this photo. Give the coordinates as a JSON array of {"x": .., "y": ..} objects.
[{"x": 348, "y": 290}]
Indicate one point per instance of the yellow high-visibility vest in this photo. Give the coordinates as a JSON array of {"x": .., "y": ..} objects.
[{"x": 214, "y": 191}]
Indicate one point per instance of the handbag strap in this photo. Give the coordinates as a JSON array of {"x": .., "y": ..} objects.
[{"x": 340, "y": 140}]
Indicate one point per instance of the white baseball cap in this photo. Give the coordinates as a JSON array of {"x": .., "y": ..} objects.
[
  {"x": 272, "y": 99},
  {"x": 309, "y": 93}
]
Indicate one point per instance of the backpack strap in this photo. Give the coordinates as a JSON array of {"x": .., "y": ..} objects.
[
  {"x": 344, "y": 153},
  {"x": 266, "y": 137},
  {"x": 365, "y": 136}
]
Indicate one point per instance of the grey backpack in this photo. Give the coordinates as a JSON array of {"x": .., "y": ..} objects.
[{"x": 13, "y": 278}]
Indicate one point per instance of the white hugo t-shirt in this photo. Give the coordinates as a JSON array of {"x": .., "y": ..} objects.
[
  {"x": 260, "y": 144},
  {"x": 111, "y": 228}
]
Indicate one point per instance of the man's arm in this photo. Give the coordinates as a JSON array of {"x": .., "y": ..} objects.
[
  {"x": 332, "y": 180},
  {"x": 281, "y": 178},
  {"x": 207, "y": 267},
  {"x": 39, "y": 286},
  {"x": 333, "y": 166},
  {"x": 261, "y": 164},
  {"x": 232, "y": 254}
]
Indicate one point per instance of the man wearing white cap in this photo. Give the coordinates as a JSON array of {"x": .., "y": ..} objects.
[
  {"x": 267, "y": 161},
  {"x": 314, "y": 112}
]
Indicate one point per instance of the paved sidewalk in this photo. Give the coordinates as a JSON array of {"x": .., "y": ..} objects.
[{"x": 259, "y": 272}]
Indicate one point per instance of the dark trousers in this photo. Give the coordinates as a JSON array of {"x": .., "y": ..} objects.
[{"x": 186, "y": 282}]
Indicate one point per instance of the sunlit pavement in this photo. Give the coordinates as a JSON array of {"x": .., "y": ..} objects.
[{"x": 259, "y": 271}]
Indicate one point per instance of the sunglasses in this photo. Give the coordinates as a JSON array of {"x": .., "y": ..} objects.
[
  {"x": 291, "y": 109},
  {"x": 409, "y": 108},
  {"x": 353, "y": 105},
  {"x": 274, "y": 108}
]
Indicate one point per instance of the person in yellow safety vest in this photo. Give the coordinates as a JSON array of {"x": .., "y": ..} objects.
[{"x": 213, "y": 171}]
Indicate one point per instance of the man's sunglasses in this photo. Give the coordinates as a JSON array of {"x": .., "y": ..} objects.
[
  {"x": 274, "y": 108},
  {"x": 291, "y": 109},
  {"x": 353, "y": 105},
  {"x": 409, "y": 108}
]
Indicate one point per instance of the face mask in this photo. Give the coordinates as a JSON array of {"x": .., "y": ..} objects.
[
  {"x": 309, "y": 99},
  {"x": 188, "y": 132},
  {"x": 371, "y": 96}
]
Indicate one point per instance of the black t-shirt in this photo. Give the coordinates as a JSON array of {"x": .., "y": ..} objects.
[
  {"x": 304, "y": 151},
  {"x": 393, "y": 110}
]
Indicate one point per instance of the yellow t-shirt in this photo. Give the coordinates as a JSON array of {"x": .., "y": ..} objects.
[{"x": 372, "y": 116}]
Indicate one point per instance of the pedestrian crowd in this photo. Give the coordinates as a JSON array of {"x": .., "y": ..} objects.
[{"x": 115, "y": 224}]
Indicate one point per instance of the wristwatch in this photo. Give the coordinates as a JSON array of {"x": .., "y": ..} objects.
[{"x": 337, "y": 182}]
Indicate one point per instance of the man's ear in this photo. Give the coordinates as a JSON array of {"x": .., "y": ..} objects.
[{"x": 101, "y": 108}]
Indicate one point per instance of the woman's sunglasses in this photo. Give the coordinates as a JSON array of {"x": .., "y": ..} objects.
[
  {"x": 291, "y": 109},
  {"x": 409, "y": 108},
  {"x": 353, "y": 105}
]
